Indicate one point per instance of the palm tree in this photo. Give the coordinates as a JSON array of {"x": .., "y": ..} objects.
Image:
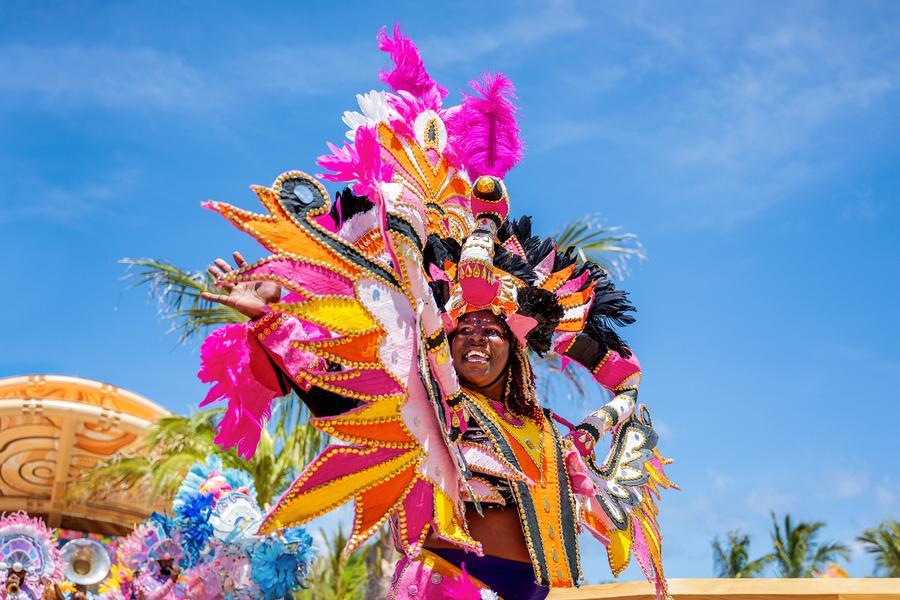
[
  {"x": 606, "y": 246},
  {"x": 798, "y": 553},
  {"x": 732, "y": 559},
  {"x": 336, "y": 576},
  {"x": 177, "y": 442},
  {"x": 883, "y": 542},
  {"x": 177, "y": 294}
]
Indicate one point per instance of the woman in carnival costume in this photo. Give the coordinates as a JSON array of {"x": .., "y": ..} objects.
[{"x": 412, "y": 305}]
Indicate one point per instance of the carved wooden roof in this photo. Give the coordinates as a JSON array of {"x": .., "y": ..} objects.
[{"x": 52, "y": 428}]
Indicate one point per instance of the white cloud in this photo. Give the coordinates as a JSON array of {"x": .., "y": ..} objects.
[
  {"x": 850, "y": 484},
  {"x": 145, "y": 79},
  {"x": 863, "y": 206},
  {"x": 526, "y": 27},
  {"x": 733, "y": 112},
  {"x": 764, "y": 500},
  {"x": 113, "y": 77},
  {"x": 56, "y": 202},
  {"x": 720, "y": 480},
  {"x": 887, "y": 495},
  {"x": 664, "y": 430}
]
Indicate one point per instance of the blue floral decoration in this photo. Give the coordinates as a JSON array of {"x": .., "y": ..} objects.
[
  {"x": 164, "y": 524},
  {"x": 279, "y": 565},
  {"x": 194, "y": 527}
]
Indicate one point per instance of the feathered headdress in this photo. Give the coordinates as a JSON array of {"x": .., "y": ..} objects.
[
  {"x": 212, "y": 478},
  {"x": 484, "y": 260},
  {"x": 26, "y": 542}
]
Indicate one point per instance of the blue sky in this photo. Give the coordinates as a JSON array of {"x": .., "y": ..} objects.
[{"x": 753, "y": 147}]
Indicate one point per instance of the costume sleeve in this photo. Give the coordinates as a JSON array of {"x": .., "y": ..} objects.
[
  {"x": 250, "y": 364},
  {"x": 161, "y": 592},
  {"x": 275, "y": 332},
  {"x": 622, "y": 377}
]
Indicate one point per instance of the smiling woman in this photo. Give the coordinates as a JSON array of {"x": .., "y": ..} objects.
[
  {"x": 416, "y": 300},
  {"x": 480, "y": 349}
]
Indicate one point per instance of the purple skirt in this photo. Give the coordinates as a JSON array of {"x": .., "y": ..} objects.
[{"x": 511, "y": 579}]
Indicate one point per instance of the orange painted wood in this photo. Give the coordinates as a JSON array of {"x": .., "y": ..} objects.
[{"x": 742, "y": 589}]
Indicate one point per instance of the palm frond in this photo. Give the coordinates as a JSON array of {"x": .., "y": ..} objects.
[
  {"x": 731, "y": 559},
  {"x": 336, "y": 576},
  {"x": 607, "y": 246},
  {"x": 883, "y": 543},
  {"x": 560, "y": 386},
  {"x": 121, "y": 473},
  {"x": 798, "y": 553},
  {"x": 176, "y": 442},
  {"x": 177, "y": 294}
]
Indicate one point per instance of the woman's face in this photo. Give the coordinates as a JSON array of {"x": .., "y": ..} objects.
[{"x": 480, "y": 349}]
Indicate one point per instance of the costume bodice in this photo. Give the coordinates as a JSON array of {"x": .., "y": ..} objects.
[{"x": 545, "y": 500}]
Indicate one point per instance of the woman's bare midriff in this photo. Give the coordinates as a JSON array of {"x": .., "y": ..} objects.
[{"x": 499, "y": 532}]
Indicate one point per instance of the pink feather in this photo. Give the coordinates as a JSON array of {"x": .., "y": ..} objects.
[
  {"x": 409, "y": 72},
  {"x": 229, "y": 360},
  {"x": 483, "y": 133},
  {"x": 462, "y": 587},
  {"x": 359, "y": 162}
]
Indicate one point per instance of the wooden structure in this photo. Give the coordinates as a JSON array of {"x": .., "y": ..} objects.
[
  {"x": 54, "y": 427},
  {"x": 742, "y": 589}
]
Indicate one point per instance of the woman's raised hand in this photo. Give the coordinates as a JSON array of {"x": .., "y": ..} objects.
[{"x": 249, "y": 298}]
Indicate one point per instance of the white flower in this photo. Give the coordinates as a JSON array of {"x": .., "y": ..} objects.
[
  {"x": 489, "y": 595},
  {"x": 375, "y": 109}
]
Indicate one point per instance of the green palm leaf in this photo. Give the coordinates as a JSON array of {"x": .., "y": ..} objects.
[
  {"x": 731, "y": 558},
  {"x": 610, "y": 249},
  {"x": 607, "y": 246},
  {"x": 177, "y": 293},
  {"x": 883, "y": 543},
  {"x": 336, "y": 576},
  {"x": 798, "y": 553}
]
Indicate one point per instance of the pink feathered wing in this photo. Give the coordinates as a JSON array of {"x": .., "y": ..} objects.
[{"x": 359, "y": 162}]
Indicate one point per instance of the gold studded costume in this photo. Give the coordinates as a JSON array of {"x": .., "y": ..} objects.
[{"x": 375, "y": 281}]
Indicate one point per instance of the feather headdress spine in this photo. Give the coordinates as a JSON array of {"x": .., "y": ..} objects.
[
  {"x": 483, "y": 132},
  {"x": 409, "y": 72}
]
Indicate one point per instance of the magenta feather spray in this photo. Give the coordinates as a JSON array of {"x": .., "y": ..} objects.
[
  {"x": 226, "y": 356},
  {"x": 483, "y": 133},
  {"x": 359, "y": 162},
  {"x": 409, "y": 72}
]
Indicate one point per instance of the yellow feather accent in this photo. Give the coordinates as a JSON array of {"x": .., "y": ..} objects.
[
  {"x": 380, "y": 409},
  {"x": 445, "y": 522},
  {"x": 619, "y": 549},
  {"x": 340, "y": 314}
]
